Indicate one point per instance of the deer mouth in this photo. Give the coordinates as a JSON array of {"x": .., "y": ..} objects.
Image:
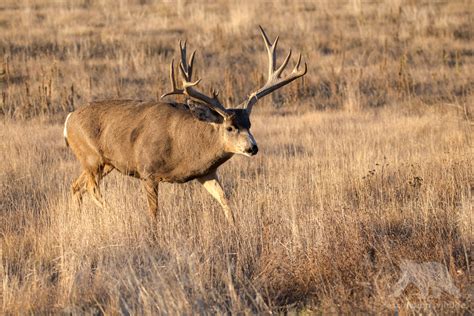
[{"x": 252, "y": 151}]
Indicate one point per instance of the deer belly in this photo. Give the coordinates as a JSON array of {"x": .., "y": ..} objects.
[
  {"x": 125, "y": 168},
  {"x": 185, "y": 173}
]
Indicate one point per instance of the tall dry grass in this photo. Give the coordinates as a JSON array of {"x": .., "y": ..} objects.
[
  {"x": 58, "y": 55},
  {"x": 325, "y": 213}
]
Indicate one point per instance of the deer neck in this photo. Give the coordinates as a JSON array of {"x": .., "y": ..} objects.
[
  {"x": 213, "y": 147},
  {"x": 205, "y": 150}
]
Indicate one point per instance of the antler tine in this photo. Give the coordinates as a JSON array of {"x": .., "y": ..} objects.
[
  {"x": 271, "y": 50},
  {"x": 190, "y": 65},
  {"x": 265, "y": 37},
  {"x": 283, "y": 66},
  {"x": 298, "y": 63},
  {"x": 187, "y": 84},
  {"x": 274, "y": 80},
  {"x": 186, "y": 70},
  {"x": 297, "y": 66},
  {"x": 182, "y": 49},
  {"x": 174, "y": 86}
]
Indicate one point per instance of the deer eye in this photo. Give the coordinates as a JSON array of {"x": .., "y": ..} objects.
[{"x": 230, "y": 129}]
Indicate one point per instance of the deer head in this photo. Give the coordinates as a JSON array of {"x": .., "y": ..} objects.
[{"x": 233, "y": 124}]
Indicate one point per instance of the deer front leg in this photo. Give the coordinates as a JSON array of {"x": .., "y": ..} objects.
[
  {"x": 151, "y": 189},
  {"x": 213, "y": 186}
]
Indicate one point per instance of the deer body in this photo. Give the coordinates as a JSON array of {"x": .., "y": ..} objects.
[
  {"x": 146, "y": 140},
  {"x": 167, "y": 141}
]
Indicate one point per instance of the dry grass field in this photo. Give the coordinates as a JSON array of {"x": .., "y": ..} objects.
[{"x": 365, "y": 163}]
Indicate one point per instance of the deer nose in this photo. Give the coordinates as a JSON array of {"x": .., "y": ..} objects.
[{"x": 253, "y": 150}]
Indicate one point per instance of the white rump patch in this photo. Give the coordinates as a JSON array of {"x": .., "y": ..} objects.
[{"x": 65, "y": 125}]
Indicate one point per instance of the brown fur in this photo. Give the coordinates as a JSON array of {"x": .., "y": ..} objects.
[
  {"x": 152, "y": 141},
  {"x": 168, "y": 142}
]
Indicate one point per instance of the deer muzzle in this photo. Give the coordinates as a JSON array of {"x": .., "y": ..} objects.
[{"x": 253, "y": 150}]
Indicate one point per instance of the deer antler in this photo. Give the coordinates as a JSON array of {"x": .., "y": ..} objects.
[
  {"x": 186, "y": 70},
  {"x": 274, "y": 81}
]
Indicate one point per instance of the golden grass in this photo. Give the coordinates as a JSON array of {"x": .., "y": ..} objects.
[{"x": 325, "y": 212}]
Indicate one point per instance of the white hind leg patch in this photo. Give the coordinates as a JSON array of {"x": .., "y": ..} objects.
[{"x": 65, "y": 126}]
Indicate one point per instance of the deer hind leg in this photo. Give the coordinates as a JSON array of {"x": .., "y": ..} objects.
[
  {"x": 78, "y": 187},
  {"x": 89, "y": 181},
  {"x": 93, "y": 182},
  {"x": 94, "y": 190},
  {"x": 212, "y": 185}
]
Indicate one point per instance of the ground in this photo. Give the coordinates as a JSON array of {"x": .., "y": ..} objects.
[{"x": 364, "y": 164}]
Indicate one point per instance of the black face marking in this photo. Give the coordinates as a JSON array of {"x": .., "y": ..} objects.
[{"x": 240, "y": 118}]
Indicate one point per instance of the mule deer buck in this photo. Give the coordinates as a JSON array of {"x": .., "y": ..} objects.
[{"x": 168, "y": 141}]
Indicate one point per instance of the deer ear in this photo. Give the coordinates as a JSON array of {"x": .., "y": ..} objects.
[{"x": 203, "y": 113}]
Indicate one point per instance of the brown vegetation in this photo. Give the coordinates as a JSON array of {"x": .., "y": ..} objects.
[{"x": 325, "y": 212}]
